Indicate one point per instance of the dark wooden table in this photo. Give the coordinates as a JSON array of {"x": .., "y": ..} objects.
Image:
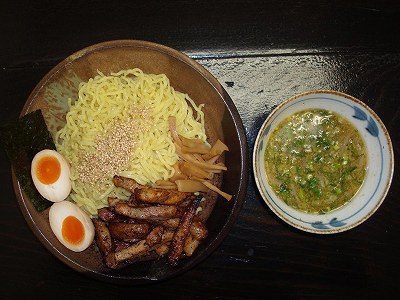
[{"x": 262, "y": 52}]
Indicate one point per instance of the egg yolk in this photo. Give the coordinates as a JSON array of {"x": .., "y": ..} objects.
[
  {"x": 72, "y": 230},
  {"x": 48, "y": 169}
]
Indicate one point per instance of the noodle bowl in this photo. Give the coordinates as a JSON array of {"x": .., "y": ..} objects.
[{"x": 119, "y": 126}]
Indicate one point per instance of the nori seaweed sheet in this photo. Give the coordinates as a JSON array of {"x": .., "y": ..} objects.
[{"x": 22, "y": 139}]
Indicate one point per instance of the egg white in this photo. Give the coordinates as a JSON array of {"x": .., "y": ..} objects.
[
  {"x": 58, "y": 190},
  {"x": 61, "y": 210}
]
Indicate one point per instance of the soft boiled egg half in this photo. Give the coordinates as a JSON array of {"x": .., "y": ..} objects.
[
  {"x": 50, "y": 174},
  {"x": 71, "y": 225}
]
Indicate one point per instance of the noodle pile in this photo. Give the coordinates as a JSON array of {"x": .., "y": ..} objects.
[{"x": 119, "y": 126}]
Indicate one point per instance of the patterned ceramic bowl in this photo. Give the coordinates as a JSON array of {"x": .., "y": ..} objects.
[{"x": 379, "y": 171}]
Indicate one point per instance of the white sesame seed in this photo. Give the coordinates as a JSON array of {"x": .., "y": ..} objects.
[{"x": 113, "y": 149}]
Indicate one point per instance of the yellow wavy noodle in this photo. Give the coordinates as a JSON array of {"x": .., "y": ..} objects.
[{"x": 119, "y": 126}]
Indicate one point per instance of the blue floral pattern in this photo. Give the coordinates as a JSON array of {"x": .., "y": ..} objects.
[
  {"x": 332, "y": 223},
  {"x": 372, "y": 129}
]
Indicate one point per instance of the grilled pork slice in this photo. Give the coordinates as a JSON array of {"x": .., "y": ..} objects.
[
  {"x": 177, "y": 244},
  {"x": 141, "y": 249},
  {"x": 161, "y": 196},
  {"x": 108, "y": 215},
  {"x": 126, "y": 183},
  {"x": 112, "y": 201},
  {"x": 129, "y": 232},
  {"x": 198, "y": 230},
  {"x": 169, "y": 223},
  {"x": 134, "y": 251},
  {"x": 120, "y": 245},
  {"x": 160, "y": 212},
  {"x": 190, "y": 245},
  {"x": 162, "y": 249},
  {"x": 155, "y": 236},
  {"x": 104, "y": 242}
]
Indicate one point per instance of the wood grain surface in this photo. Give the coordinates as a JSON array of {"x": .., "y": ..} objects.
[{"x": 262, "y": 52}]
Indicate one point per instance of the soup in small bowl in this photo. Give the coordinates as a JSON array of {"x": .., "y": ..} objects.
[{"x": 323, "y": 161}]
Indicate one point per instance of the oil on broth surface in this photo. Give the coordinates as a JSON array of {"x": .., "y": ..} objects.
[{"x": 315, "y": 161}]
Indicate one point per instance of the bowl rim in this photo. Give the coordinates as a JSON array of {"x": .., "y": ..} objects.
[
  {"x": 237, "y": 200},
  {"x": 320, "y": 227}
]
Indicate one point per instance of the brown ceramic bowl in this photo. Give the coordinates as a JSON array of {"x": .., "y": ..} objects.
[{"x": 186, "y": 75}]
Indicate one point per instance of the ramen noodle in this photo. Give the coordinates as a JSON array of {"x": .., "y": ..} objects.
[{"x": 119, "y": 126}]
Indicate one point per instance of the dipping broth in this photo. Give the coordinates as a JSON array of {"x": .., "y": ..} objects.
[{"x": 315, "y": 161}]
